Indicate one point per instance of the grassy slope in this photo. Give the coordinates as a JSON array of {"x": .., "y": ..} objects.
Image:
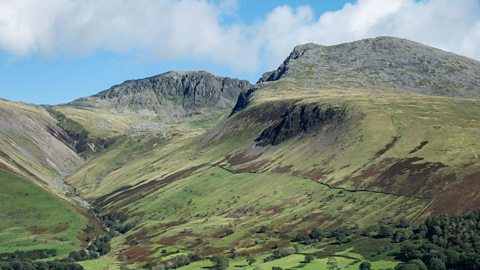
[
  {"x": 136, "y": 157},
  {"x": 32, "y": 218},
  {"x": 287, "y": 190},
  {"x": 100, "y": 123},
  {"x": 31, "y": 143}
]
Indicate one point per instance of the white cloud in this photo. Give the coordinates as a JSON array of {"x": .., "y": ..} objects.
[
  {"x": 195, "y": 29},
  {"x": 450, "y": 25}
]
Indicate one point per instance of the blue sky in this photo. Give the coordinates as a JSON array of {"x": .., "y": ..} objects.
[
  {"x": 55, "y": 51},
  {"x": 61, "y": 78}
]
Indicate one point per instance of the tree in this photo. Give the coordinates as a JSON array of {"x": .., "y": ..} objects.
[
  {"x": 250, "y": 259},
  {"x": 220, "y": 261},
  {"x": 154, "y": 266},
  {"x": 406, "y": 266},
  {"x": 436, "y": 264},
  {"x": 410, "y": 252},
  {"x": 316, "y": 235},
  {"x": 342, "y": 238},
  {"x": 309, "y": 258},
  {"x": 385, "y": 231},
  {"x": 332, "y": 263},
  {"x": 403, "y": 223},
  {"x": 365, "y": 266},
  {"x": 421, "y": 265},
  {"x": 400, "y": 236}
]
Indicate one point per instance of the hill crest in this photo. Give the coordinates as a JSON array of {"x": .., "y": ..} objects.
[
  {"x": 172, "y": 91},
  {"x": 386, "y": 63}
]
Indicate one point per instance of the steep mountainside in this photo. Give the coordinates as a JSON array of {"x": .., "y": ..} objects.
[
  {"x": 381, "y": 63},
  {"x": 33, "y": 144},
  {"x": 36, "y": 210},
  {"x": 170, "y": 93}
]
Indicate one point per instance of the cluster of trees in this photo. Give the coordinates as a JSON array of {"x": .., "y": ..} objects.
[
  {"x": 174, "y": 263},
  {"x": 31, "y": 254},
  {"x": 98, "y": 247},
  {"x": 444, "y": 242},
  {"x": 307, "y": 238},
  {"x": 279, "y": 253},
  {"x": 219, "y": 262},
  {"x": 342, "y": 235},
  {"x": 25, "y": 260},
  {"x": 34, "y": 265},
  {"x": 113, "y": 224},
  {"x": 440, "y": 243}
]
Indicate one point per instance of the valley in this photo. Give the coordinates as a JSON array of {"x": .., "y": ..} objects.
[{"x": 366, "y": 147}]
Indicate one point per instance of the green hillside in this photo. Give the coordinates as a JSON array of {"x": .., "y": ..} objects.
[
  {"x": 393, "y": 156},
  {"x": 31, "y": 218},
  {"x": 33, "y": 145},
  {"x": 341, "y": 158}
]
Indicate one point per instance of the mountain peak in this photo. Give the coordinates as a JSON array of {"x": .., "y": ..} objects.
[
  {"x": 173, "y": 92},
  {"x": 384, "y": 63}
]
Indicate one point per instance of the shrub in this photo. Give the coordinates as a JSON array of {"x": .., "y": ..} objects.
[
  {"x": 308, "y": 258},
  {"x": 250, "y": 259},
  {"x": 365, "y": 266},
  {"x": 219, "y": 261}
]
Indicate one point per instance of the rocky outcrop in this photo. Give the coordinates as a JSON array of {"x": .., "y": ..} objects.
[
  {"x": 383, "y": 63},
  {"x": 243, "y": 100},
  {"x": 301, "y": 119},
  {"x": 171, "y": 92},
  {"x": 282, "y": 70}
]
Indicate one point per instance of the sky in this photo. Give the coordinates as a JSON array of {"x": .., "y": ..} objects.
[{"x": 54, "y": 51}]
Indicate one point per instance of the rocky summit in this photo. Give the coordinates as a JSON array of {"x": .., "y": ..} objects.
[
  {"x": 170, "y": 92},
  {"x": 383, "y": 63}
]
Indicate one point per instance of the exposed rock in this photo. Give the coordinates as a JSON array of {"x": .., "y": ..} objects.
[
  {"x": 279, "y": 73},
  {"x": 381, "y": 63},
  {"x": 171, "y": 92},
  {"x": 75, "y": 136},
  {"x": 243, "y": 100},
  {"x": 301, "y": 119}
]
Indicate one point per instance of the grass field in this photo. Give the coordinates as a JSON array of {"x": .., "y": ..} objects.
[
  {"x": 344, "y": 260},
  {"x": 103, "y": 263},
  {"x": 32, "y": 218}
]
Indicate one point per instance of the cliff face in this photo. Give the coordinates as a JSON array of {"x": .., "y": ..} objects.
[
  {"x": 383, "y": 63},
  {"x": 171, "y": 92},
  {"x": 303, "y": 119}
]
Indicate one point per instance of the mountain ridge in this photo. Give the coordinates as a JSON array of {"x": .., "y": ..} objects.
[
  {"x": 172, "y": 91},
  {"x": 388, "y": 63}
]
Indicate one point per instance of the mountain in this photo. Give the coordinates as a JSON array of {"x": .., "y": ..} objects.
[
  {"x": 336, "y": 141},
  {"x": 385, "y": 63},
  {"x": 170, "y": 92},
  {"x": 44, "y": 144}
]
